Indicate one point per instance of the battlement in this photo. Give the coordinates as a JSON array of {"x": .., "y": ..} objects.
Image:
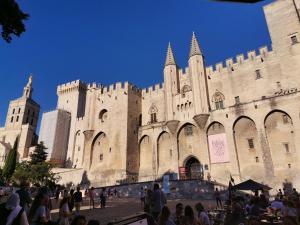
[
  {"x": 232, "y": 65},
  {"x": 152, "y": 89},
  {"x": 183, "y": 72},
  {"x": 71, "y": 86},
  {"x": 117, "y": 87}
]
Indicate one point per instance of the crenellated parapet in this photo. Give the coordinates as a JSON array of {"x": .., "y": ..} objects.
[
  {"x": 116, "y": 88},
  {"x": 240, "y": 60},
  {"x": 71, "y": 86},
  {"x": 153, "y": 90}
]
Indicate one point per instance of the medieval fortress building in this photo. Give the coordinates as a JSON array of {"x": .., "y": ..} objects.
[{"x": 241, "y": 118}]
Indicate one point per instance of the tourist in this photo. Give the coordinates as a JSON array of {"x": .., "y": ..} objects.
[
  {"x": 237, "y": 214},
  {"x": 202, "y": 215},
  {"x": 279, "y": 194},
  {"x": 93, "y": 222},
  {"x": 65, "y": 193},
  {"x": 79, "y": 220},
  {"x": 39, "y": 211},
  {"x": 189, "y": 217},
  {"x": 164, "y": 217},
  {"x": 25, "y": 198},
  {"x": 177, "y": 216},
  {"x": 263, "y": 201},
  {"x": 142, "y": 197},
  {"x": 71, "y": 200},
  {"x": 57, "y": 192},
  {"x": 92, "y": 197},
  {"x": 77, "y": 200},
  {"x": 115, "y": 192},
  {"x": 158, "y": 201},
  {"x": 1, "y": 193},
  {"x": 218, "y": 198},
  {"x": 255, "y": 207},
  {"x": 103, "y": 199},
  {"x": 148, "y": 201},
  {"x": 64, "y": 211},
  {"x": 12, "y": 213},
  {"x": 289, "y": 213},
  {"x": 295, "y": 194}
]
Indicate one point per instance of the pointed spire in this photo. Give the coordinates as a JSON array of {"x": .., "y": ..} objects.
[
  {"x": 28, "y": 88},
  {"x": 170, "y": 60},
  {"x": 195, "y": 48}
]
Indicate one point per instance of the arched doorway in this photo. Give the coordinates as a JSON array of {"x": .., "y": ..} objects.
[{"x": 194, "y": 169}]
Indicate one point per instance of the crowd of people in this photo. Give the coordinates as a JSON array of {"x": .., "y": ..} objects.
[
  {"x": 154, "y": 202},
  {"x": 258, "y": 209},
  {"x": 20, "y": 209}
]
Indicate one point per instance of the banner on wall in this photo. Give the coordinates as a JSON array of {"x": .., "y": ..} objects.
[{"x": 218, "y": 149}]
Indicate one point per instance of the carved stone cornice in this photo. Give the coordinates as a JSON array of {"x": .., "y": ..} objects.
[
  {"x": 88, "y": 134},
  {"x": 201, "y": 119},
  {"x": 172, "y": 125}
]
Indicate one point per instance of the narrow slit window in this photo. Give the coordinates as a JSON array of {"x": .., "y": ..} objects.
[
  {"x": 237, "y": 100},
  {"x": 286, "y": 147}
]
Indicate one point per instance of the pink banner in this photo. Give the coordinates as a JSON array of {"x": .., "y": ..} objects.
[{"x": 218, "y": 148}]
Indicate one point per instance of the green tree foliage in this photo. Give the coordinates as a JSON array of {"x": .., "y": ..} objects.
[
  {"x": 39, "y": 154},
  {"x": 37, "y": 170},
  {"x": 2, "y": 181},
  {"x": 22, "y": 172},
  {"x": 10, "y": 162},
  {"x": 11, "y": 19}
]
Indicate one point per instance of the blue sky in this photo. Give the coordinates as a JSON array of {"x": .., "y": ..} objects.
[{"x": 119, "y": 40}]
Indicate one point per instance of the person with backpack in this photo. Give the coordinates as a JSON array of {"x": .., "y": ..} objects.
[
  {"x": 12, "y": 213},
  {"x": 77, "y": 196}
]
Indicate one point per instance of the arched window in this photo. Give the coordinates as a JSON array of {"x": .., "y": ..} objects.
[
  {"x": 153, "y": 111},
  {"x": 103, "y": 115},
  {"x": 218, "y": 98},
  {"x": 185, "y": 89}
]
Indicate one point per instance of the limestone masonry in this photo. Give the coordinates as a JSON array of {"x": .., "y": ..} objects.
[{"x": 241, "y": 118}]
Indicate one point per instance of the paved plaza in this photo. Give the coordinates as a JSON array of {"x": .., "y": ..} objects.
[{"x": 123, "y": 207}]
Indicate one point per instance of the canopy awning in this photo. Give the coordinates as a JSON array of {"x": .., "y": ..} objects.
[{"x": 250, "y": 185}]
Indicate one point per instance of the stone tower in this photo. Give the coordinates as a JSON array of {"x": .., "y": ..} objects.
[
  {"x": 171, "y": 82},
  {"x": 198, "y": 80},
  {"x": 21, "y": 121}
]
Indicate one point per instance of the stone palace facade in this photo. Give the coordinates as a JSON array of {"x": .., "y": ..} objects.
[{"x": 239, "y": 118}]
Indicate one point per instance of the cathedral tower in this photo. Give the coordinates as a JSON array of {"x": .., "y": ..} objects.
[{"x": 171, "y": 82}]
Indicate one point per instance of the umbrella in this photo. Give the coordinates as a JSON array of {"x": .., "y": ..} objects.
[{"x": 250, "y": 185}]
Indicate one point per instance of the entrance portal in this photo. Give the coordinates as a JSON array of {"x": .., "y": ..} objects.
[{"x": 194, "y": 169}]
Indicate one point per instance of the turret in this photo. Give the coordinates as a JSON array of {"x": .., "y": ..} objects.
[
  {"x": 171, "y": 81},
  {"x": 27, "y": 93},
  {"x": 198, "y": 78}
]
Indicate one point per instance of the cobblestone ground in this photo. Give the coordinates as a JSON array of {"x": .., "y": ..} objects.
[{"x": 123, "y": 207}]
